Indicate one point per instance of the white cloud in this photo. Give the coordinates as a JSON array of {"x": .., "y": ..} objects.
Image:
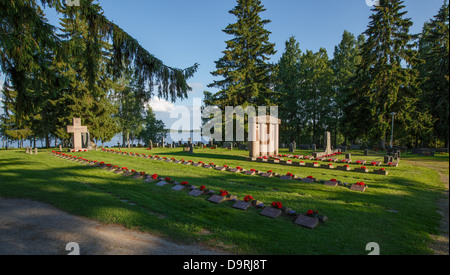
[{"x": 161, "y": 105}]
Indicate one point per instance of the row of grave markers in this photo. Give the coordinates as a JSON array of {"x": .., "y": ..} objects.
[
  {"x": 310, "y": 219},
  {"x": 359, "y": 186}
]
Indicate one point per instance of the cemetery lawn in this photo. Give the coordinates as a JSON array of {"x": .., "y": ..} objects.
[{"x": 398, "y": 211}]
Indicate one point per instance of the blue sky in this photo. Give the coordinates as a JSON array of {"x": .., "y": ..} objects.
[{"x": 184, "y": 32}]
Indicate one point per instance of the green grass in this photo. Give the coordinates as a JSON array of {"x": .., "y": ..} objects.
[{"x": 355, "y": 218}]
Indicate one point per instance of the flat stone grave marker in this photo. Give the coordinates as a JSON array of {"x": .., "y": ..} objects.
[
  {"x": 267, "y": 175},
  {"x": 376, "y": 163},
  {"x": 198, "y": 164},
  {"x": 331, "y": 183},
  {"x": 242, "y": 205},
  {"x": 344, "y": 168},
  {"x": 312, "y": 164},
  {"x": 286, "y": 162},
  {"x": 361, "y": 170},
  {"x": 300, "y": 163},
  {"x": 150, "y": 179},
  {"x": 196, "y": 193},
  {"x": 360, "y": 161},
  {"x": 162, "y": 183},
  {"x": 178, "y": 161},
  {"x": 347, "y": 160},
  {"x": 138, "y": 177},
  {"x": 178, "y": 187},
  {"x": 208, "y": 166},
  {"x": 187, "y": 163},
  {"x": 250, "y": 173},
  {"x": 220, "y": 168},
  {"x": 271, "y": 212},
  {"x": 394, "y": 164},
  {"x": 360, "y": 188},
  {"x": 217, "y": 199},
  {"x": 235, "y": 170},
  {"x": 327, "y": 166},
  {"x": 169, "y": 160},
  {"x": 381, "y": 172},
  {"x": 308, "y": 222},
  {"x": 286, "y": 177},
  {"x": 308, "y": 180}
]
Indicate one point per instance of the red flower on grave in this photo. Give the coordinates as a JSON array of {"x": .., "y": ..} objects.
[
  {"x": 264, "y": 157},
  {"x": 358, "y": 162},
  {"x": 124, "y": 168},
  {"x": 95, "y": 161},
  {"x": 302, "y": 161},
  {"x": 315, "y": 163},
  {"x": 184, "y": 183},
  {"x": 363, "y": 167},
  {"x": 109, "y": 165},
  {"x": 200, "y": 162},
  {"x": 239, "y": 168},
  {"x": 311, "y": 213},
  {"x": 330, "y": 164},
  {"x": 346, "y": 166},
  {"x": 102, "y": 162},
  {"x": 248, "y": 198},
  {"x": 253, "y": 170},
  {"x": 212, "y": 164},
  {"x": 154, "y": 176},
  {"x": 270, "y": 172},
  {"x": 309, "y": 177},
  {"x": 373, "y": 163},
  {"x": 390, "y": 164},
  {"x": 382, "y": 169},
  {"x": 156, "y": 156},
  {"x": 290, "y": 175},
  {"x": 277, "y": 205},
  {"x": 333, "y": 180},
  {"x": 202, "y": 188},
  {"x": 226, "y": 166},
  {"x": 223, "y": 193},
  {"x": 190, "y": 161},
  {"x": 168, "y": 179},
  {"x": 133, "y": 171},
  {"x": 360, "y": 183}
]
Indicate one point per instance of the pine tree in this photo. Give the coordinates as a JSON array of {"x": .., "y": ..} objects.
[{"x": 244, "y": 67}]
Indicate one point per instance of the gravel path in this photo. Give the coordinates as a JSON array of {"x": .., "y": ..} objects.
[{"x": 33, "y": 228}]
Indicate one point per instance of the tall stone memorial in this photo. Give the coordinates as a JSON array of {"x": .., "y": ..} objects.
[
  {"x": 78, "y": 131},
  {"x": 263, "y": 136}
]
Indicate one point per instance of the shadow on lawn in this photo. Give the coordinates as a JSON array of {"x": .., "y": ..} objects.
[{"x": 85, "y": 190}]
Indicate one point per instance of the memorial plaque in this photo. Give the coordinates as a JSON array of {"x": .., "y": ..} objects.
[
  {"x": 360, "y": 188},
  {"x": 195, "y": 193},
  {"x": 267, "y": 175},
  {"x": 300, "y": 163},
  {"x": 308, "y": 180},
  {"x": 344, "y": 168},
  {"x": 178, "y": 187},
  {"x": 149, "y": 179},
  {"x": 187, "y": 163},
  {"x": 331, "y": 183},
  {"x": 250, "y": 173},
  {"x": 381, "y": 172},
  {"x": 286, "y": 162},
  {"x": 220, "y": 168},
  {"x": 234, "y": 170},
  {"x": 286, "y": 178},
  {"x": 208, "y": 166},
  {"x": 271, "y": 212},
  {"x": 178, "y": 161},
  {"x": 242, "y": 205},
  {"x": 198, "y": 164},
  {"x": 361, "y": 170},
  {"x": 162, "y": 183},
  {"x": 394, "y": 164},
  {"x": 217, "y": 199},
  {"x": 308, "y": 222}
]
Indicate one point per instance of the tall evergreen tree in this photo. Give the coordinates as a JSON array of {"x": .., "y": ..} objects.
[
  {"x": 287, "y": 86},
  {"x": 244, "y": 66},
  {"x": 345, "y": 62},
  {"x": 434, "y": 49},
  {"x": 386, "y": 80}
]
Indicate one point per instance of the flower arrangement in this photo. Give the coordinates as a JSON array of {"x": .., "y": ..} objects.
[
  {"x": 168, "y": 179},
  {"x": 124, "y": 169},
  {"x": 253, "y": 170},
  {"x": 142, "y": 173},
  {"x": 373, "y": 163},
  {"x": 133, "y": 171},
  {"x": 309, "y": 177},
  {"x": 226, "y": 166},
  {"x": 312, "y": 213},
  {"x": 333, "y": 180},
  {"x": 330, "y": 164},
  {"x": 154, "y": 176},
  {"x": 200, "y": 162},
  {"x": 277, "y": 205},
  {"x": 239, "y": 168},
  {"x": 102, "y": 163},
  {"x": 315, "y": 163},
  {"x": 363, "y": 167},
  {"x": 108, "y": 165},
  {"x": 381, "y": 169},
  {"x": 347, "y": 166},
  {"x": 360, "y": 184},
  {"x": 248, "y": 198},
  {"x": 212, "y": 164},
  {"x": 184, "y": 183},
  {"x": 269, "y": 172},
  {"x": 223, "y": 193},
  {"x": 358, "y": 162},
  {"x": 202, "y": 188},
  {"x": 290, "y": 174}
]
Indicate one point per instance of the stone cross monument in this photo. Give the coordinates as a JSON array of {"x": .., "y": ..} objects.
[{"x": 77, "y": 130}]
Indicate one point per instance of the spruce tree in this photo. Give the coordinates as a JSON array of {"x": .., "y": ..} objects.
[
  {"x": 244, "y": 68},
  {"x": 434, "y": 49},
  {"x": 386, "y": 80}
]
